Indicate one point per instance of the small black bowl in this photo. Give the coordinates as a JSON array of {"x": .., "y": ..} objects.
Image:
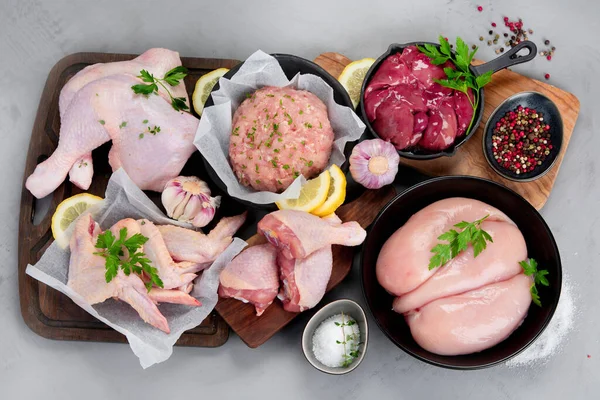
[
  {"x": 551, "y": 115},
  {"x": 291, "y": 66},
  {"x": 506, "y": 60},
  {"x": 540, "y": 245}
]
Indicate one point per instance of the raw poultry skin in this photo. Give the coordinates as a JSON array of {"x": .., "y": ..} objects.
[
  {"x": 304, "y": 281},
  {"x": 194, "y": 246},
  {"x": 472, "y": 321},
  {"x": 98, "y": 105},
  {"x": 251, "y": 277},
  {"x": 86, "y": 276},
  {"x": 297, "y": 234},
  {"x": 469, "y": 304}
]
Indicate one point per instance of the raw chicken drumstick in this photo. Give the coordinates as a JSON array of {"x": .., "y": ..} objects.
[
  {"x": 297, "y": 234},
  {"x": 251, "y": 277}
]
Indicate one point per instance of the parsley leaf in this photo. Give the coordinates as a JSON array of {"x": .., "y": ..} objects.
[
  {"x": 530, "y": 268},
  {"x": 459, "y": 241},
  {"x": 136, "y": 262},
  {"x": 461, "y": 78},
  {"x": 172, "y": 78}
]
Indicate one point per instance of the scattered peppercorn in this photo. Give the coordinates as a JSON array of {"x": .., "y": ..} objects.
[
  {"x": 494, "y": 24},
  {"x": 479, "y": 8},
  {"x": 481, "y": 38},
  {"x": 473, "y": 47},
  {"x": 491, "y": 32},
  {"x": 547, "y": 76},
  {"x": 521, "y": 140},
  {"x": 549, "y": 57},
  {"x": 546, "y": 42}
]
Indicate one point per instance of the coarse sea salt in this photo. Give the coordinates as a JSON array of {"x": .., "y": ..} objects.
[
  {"x": 328, "y": 340},
  {"x": 554, "y": 336}
]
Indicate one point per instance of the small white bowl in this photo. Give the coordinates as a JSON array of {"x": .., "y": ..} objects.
[{"x": 348, "y": 307}]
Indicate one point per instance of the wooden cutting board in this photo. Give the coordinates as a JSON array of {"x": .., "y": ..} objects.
[
  {"x": 46, "y": 311},
  {"x": 469, "y": 159},
  {"x": 253, "y": 330}
]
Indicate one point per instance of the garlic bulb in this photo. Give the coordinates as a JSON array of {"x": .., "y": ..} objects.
[
  {"x": 187, "y": 199},
  {"x": 374, "y": 163}
]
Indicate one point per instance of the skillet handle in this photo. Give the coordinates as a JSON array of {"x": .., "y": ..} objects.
[{"x": 508, "y": 59}]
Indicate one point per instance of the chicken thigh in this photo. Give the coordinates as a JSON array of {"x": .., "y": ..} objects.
[{"x": 251, "y": 277}]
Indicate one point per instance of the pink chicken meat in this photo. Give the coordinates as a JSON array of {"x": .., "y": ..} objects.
[
  {"x": 98, "y": 105},
  {"x": 297, "y": 234},
  {"x": 251, "y": 277},
  {"x": 468, "y": 304}
]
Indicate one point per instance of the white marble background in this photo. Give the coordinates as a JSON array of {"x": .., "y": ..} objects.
[{"x": 35, "y": 34}]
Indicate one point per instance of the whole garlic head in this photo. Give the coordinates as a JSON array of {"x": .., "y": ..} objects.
[{"x": 187, "y": 199}]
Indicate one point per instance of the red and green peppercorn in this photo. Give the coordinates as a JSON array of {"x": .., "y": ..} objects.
[{"x": 521, "y": 140}]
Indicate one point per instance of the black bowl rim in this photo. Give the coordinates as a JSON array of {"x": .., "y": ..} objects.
[
  {"x": 449, "y": 365},
  {"x": 487, "y": 132},
  {"x": 334, "y": 84},
  {"x": 394, "y": 48}
]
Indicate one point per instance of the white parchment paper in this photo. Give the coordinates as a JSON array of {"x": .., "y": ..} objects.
[
  {"x": 125, "y": 200},
  {"x": 259, "y": 70}
]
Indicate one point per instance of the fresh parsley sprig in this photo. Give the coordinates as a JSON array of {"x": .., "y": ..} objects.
[
  {"x": 111, "y": 249},
  {"x": 172, "y": 78},
  {"x": 530, "y": 268},
  {"x": 461, "y": 78},
  {"x": 459, "y": 241}
]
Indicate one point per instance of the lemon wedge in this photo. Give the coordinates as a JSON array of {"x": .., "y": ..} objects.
[
  {"x": 336, "y": 193},
  {"x": 312, "y": 195},
  {"x": 204, "y": 86},
  {"x": 353, "y": 76},
  {"x": 67, "y": 212}
]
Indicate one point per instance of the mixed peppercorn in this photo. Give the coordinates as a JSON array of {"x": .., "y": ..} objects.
[{"x": 521, "y": 140}]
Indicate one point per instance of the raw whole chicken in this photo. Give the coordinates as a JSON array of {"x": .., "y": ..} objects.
[
  {"x": 98, "y": 105},
  {"x": 297, "y": 234},
  {"x": 251, "y": 277},
  {"x": 468, "y": 304}
]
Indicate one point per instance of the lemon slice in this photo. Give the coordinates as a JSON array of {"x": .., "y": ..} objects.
[
  {"x": 312, "y": 195},
  {"x": 204, "y": 86},
  {"x": 353, "y": 76},
  {"x": 67, "y": 212},
  {"x": 336, "y": 193}
]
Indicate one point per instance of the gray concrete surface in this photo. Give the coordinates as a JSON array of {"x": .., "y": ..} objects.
[{"x": 35, "y": 34}]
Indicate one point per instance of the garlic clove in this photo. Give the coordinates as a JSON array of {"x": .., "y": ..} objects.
[
  {"x": 207, "y": 214},
  {"x": 172, "y": 197},
  {"x": 192, "y": 207}
]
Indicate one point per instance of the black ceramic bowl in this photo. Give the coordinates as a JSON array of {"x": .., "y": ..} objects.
[
  {"x": 540, "y": 245},
  {"x": 551, "y": 116},
  {"x": 291, "y": 66},
  {"x": 508, "y": 59}
]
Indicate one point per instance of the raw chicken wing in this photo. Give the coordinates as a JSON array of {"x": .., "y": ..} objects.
[{"x": 86, "y": 276}]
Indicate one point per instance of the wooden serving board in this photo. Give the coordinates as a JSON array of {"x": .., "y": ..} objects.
[
  {"x": 46, "y": 311},
  {"x": 469, "y": 159},
  {"x": 253, "y": 330}
]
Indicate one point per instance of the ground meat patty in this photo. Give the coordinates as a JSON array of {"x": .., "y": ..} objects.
[{"x": 278, "y": 134}]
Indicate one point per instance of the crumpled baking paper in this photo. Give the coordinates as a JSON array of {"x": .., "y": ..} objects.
[
  {"x": 125, "y": 200},
  {"x": 259, "y": 70}
]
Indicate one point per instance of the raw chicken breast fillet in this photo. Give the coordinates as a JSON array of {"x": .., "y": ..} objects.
[{"x": 472, "y": 321}]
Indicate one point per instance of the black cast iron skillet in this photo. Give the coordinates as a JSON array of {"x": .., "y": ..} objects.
[
  {"x": 506, "y": 60},
  {"x": 540, "y": 245},
  {"x": 291, "y": 66}
]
